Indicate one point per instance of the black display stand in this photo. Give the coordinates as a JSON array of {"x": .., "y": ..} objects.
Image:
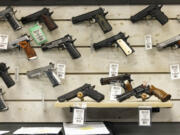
[{"x": 84, "y": 2}]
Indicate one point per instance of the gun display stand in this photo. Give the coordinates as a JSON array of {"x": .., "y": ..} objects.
[{"x": 154, "y": 104}]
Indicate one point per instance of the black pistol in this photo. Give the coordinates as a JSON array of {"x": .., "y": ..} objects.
[
  {"x": 81, "y": 92},
  {"x": 65, "y": 42},
  {"x": 145, "y": 92},
  {"x": 153, "y": 11},
  {"x": 96, "y": 15},
  {"x": 43, "y": 15},
  {"x": 120, "y": 40},
  {"x": 5, "y": 75}
]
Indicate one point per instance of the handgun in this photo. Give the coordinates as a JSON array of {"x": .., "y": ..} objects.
[
  {"x": 8, "y": 14},
  {"x": 65, "y": 42},
  {"x": 43, "y": 15},
  {"x": 96, "y": 15},
  {"x": 81, "y": 92},
  {"x": 120, "y": 40},
  {"x": 5, "y": 75},
  {"x": 48, "y": 70},
  {"x": 23, "y": 42},
  {"x": 3, "y": 106},
  {"x": 153, "y": 11},
  {"x": 120, "y": 78},
  {"x": 172, "y": 42},
  {"x": 142, "y": 91}
]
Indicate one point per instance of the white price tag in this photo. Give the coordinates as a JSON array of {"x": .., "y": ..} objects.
[
  {"x": 145, "y": 116},
  {"x": 78, "y": 116},
  {"x": 148, "y": 42},
  {"x": 113, "y": 69},
  {"x": 175, "y": 71},
  {"x": 3, "y": 41},
  {"x": 115, "y": 90},
  {"x": 61, "y": 70},
  {"x": 16, "y": 74}
]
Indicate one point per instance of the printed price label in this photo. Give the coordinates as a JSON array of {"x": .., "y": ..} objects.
[
  {"x": 61, "y": 70},
  {"x": 16, "y": 74},
  {"x": 175, "y": 71},
  {"x": 115, "y": 90},
  {"x": 78, "y": 116},
  {"x": 113, "y": 69},
  {"x": 148, "y": 42},
  {"x": 37, "y": 34},
  {"x": 145, "y": 116},
  {"x": 3, "y": 41}
]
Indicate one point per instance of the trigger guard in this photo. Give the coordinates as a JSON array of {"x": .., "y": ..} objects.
[{"x": 92, "y": 21}]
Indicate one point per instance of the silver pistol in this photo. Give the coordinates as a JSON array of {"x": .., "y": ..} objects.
[
  {"x": 8, "y": 14},
  {"x": 48, "y": 70},
  {"x": 172, "y": 42}
]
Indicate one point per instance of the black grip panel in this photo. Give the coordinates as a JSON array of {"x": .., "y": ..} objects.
[
  {"x": 7, "y": 79},
  {"x": 13, "y": 22},
  {"x": 98, "y": 97},
  {"x": 72, "y": 50},
  {"x": 52, "y": 78},
  {"x": 103, "y": 23},
  {"x": 160, "y": 16},
  {"x": 124, "y": 96}
]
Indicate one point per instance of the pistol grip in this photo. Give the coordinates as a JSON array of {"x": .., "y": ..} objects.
[
  {"x": 3, "y": 106},
  {"x": 162, "y": 95},
  {"x": 72, "y": 50},
  {"x": 30, "y": 52},
  {"x": 160, "y": 16},
  {"x": 7, "y": 79},
  {"x": 51, "y": 25},
  {"x": 12, "y": 21},
  {"x": 98, "y": 97},
  {"x": 125, "y": 47},
  {"x": 53, "y": 78},
  {"x": 103, "y": 23}
]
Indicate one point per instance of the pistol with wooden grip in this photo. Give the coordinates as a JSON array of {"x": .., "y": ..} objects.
[
  {"x": 43, "y": 15},
  {"x": 24, "y": 42},
  {"x": 81, "y": 92},
  {"x": 48, "y": 70},
  {"x": 120, "y": 40},
  {"x": 3, "y": 106},
  {"x": 120, "y": 78},
  {"x": 8, "y": 14},
  {"x": 144, "y": 92},
  {"x": 65, "y": 42},
  {"x": 96, "y": 15},
  {"x": 173, "y": 42},
  {"x": 152, "y": 10},
  {"x": 5, "y": 75}
]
